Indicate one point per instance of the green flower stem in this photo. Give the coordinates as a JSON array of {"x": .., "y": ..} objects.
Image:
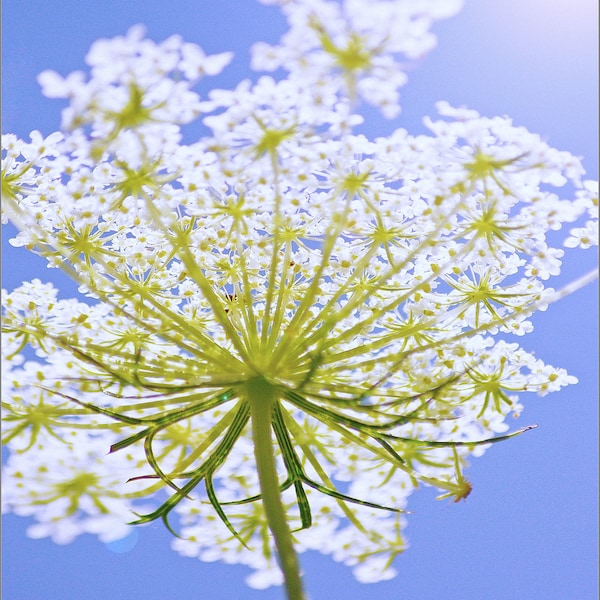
[{"x": 262, "y": 398}]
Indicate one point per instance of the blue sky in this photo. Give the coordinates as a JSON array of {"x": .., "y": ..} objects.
[{"x": 528, "y": 530}]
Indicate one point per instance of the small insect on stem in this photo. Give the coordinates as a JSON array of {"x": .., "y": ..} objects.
[{"x": 231, "y": 298}]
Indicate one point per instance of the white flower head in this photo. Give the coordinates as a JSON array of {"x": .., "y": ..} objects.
[{"x": 286, "y": 327}]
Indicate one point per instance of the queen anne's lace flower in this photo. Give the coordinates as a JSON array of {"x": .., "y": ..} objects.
[
  {"x": 281, "y": 278},
  {"x": 356, "y": 46}
]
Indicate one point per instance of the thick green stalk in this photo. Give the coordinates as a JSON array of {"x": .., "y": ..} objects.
[{"x": 262, "y": 398}]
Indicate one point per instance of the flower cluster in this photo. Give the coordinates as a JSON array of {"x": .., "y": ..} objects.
[
  {"x": 354, "y": 45},
  {"x": 282, "y": 306}
]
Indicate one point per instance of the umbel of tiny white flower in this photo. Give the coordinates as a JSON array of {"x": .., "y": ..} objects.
[{"x": 287, "y": 327}]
